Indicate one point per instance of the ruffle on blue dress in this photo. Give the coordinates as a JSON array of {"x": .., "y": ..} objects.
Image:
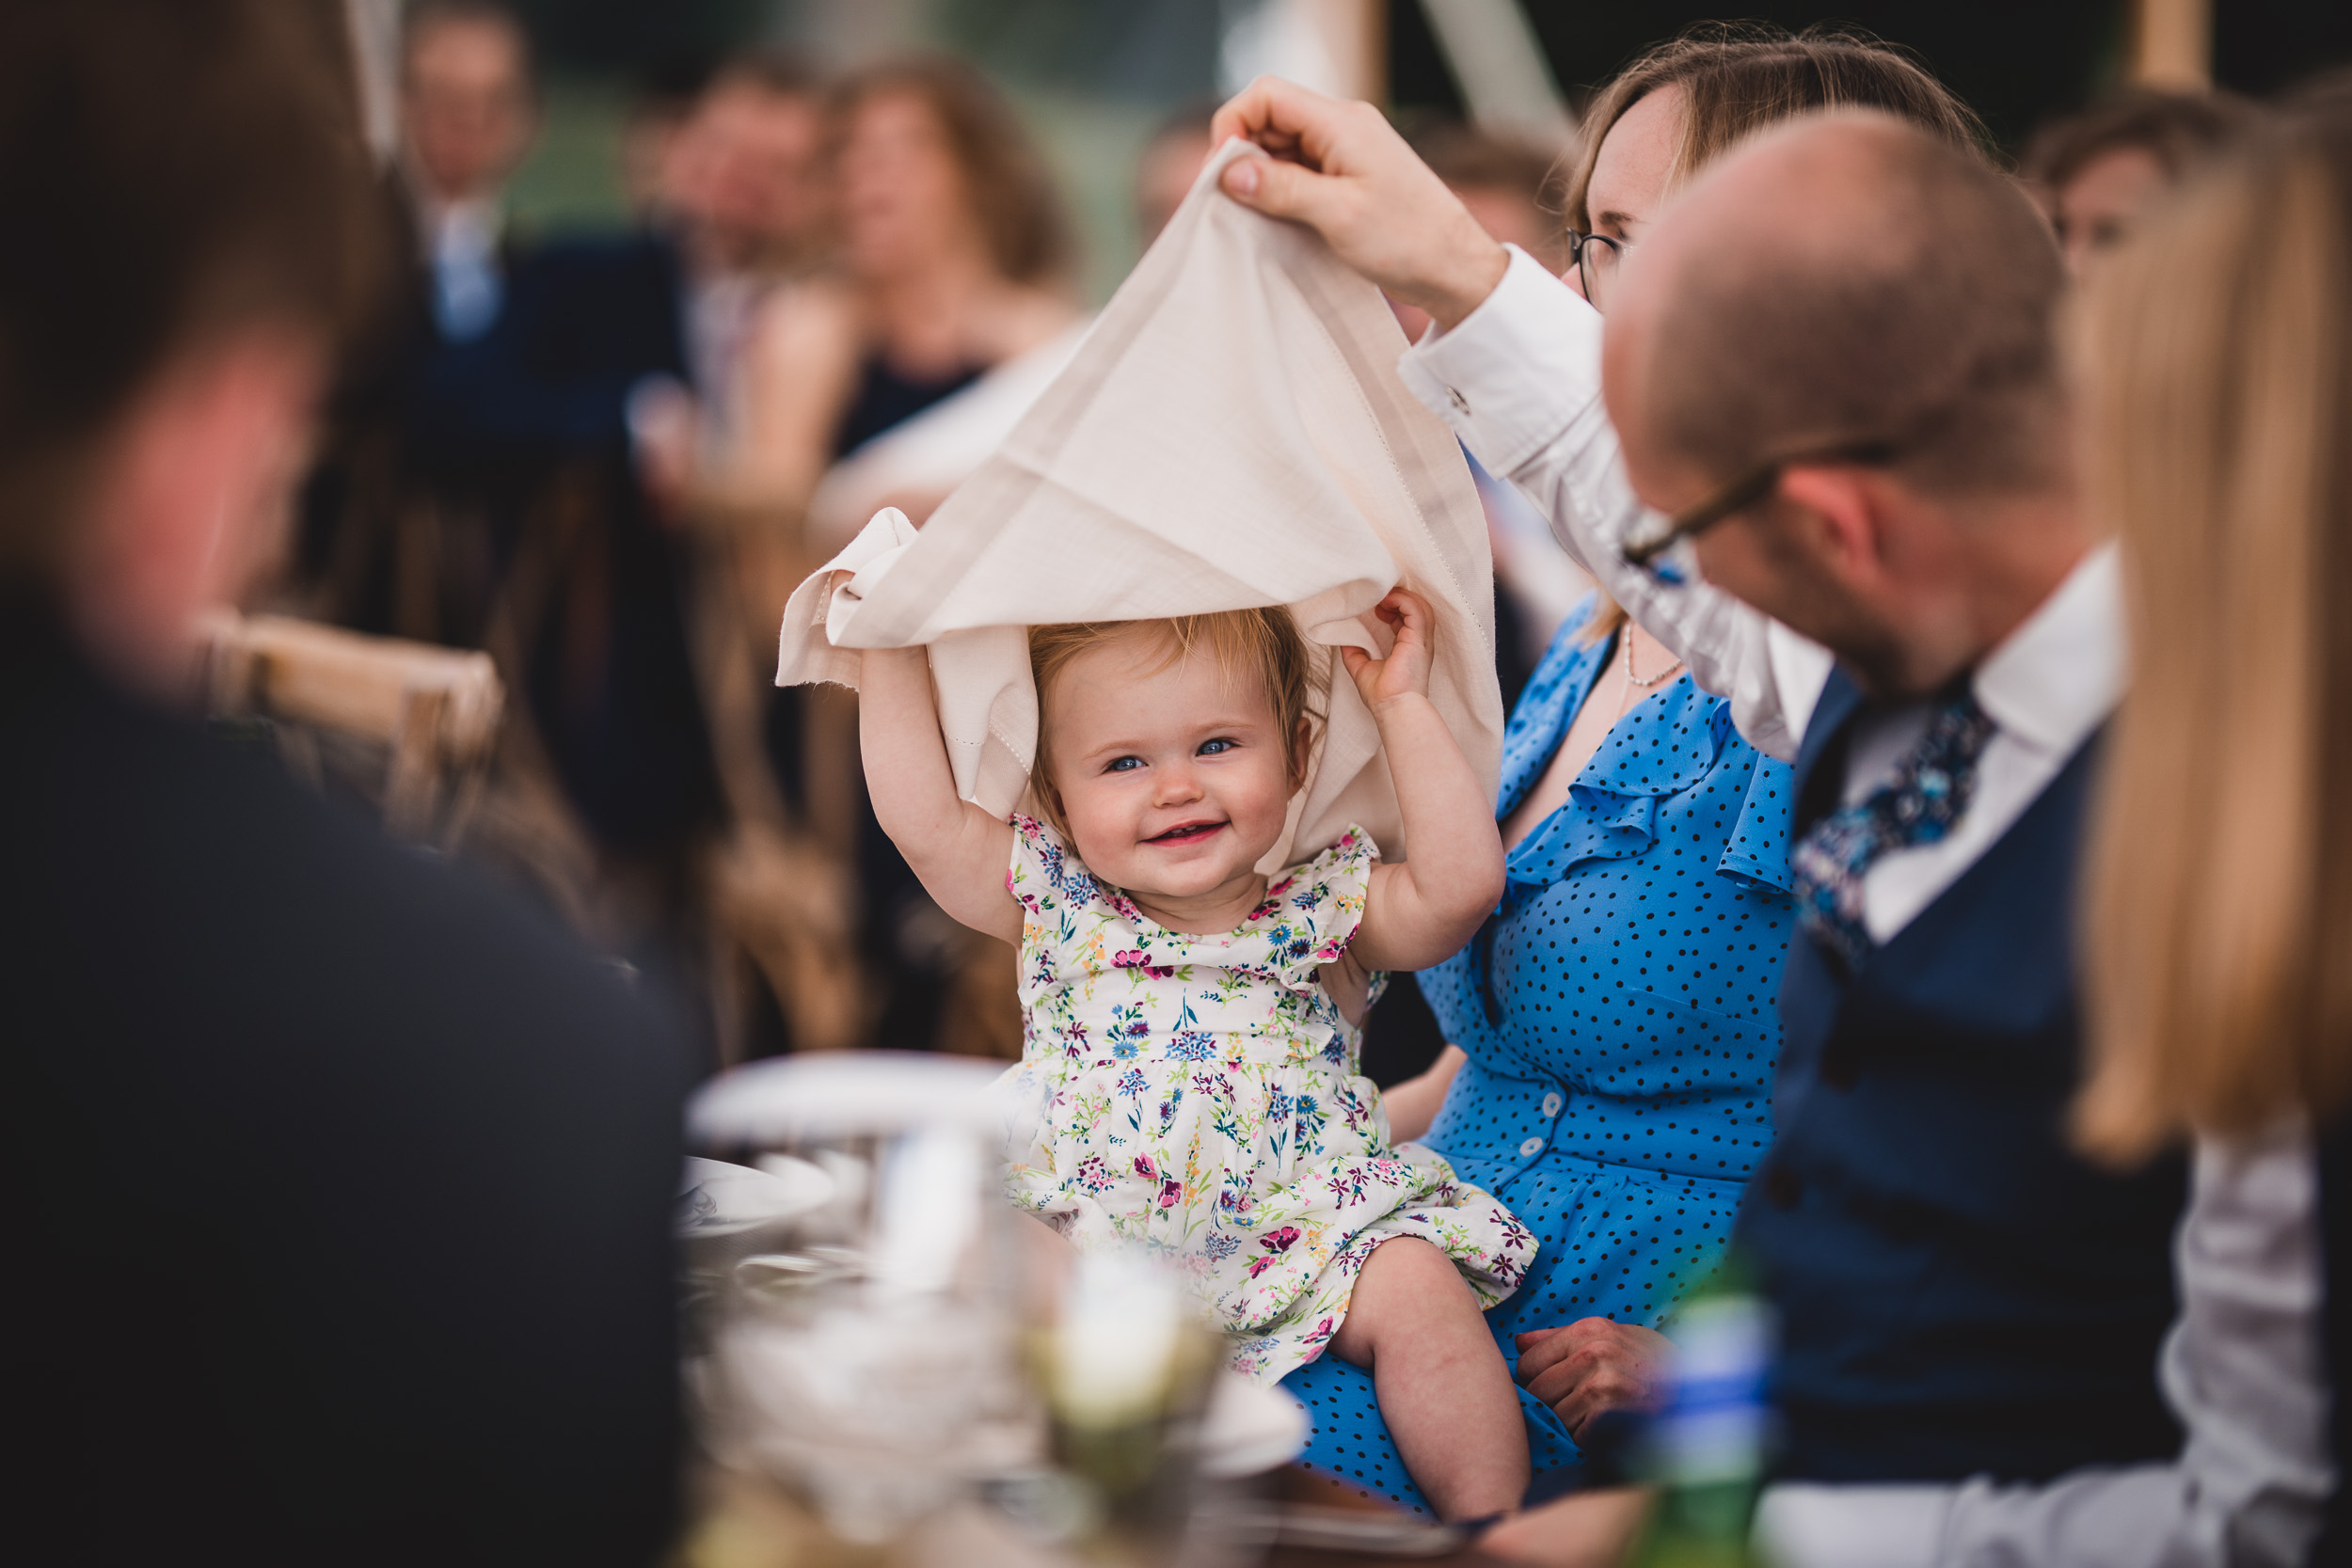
[{"x": 1618, "y": 1011}]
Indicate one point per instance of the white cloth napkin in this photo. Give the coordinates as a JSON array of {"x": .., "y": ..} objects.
[
  {"x": 931, "y": 453},
  {"x": 1231, "y": 433}
]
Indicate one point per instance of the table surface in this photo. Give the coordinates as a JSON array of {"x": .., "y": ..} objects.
[
  {"x": 742, "y": 1522},
  {"x": 1293, "y": 1485}
]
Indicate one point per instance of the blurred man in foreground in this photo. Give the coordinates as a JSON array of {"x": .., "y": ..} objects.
[{"x": 337, "y": 1190}]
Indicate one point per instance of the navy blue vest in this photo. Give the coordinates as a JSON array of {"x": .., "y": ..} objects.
[
  {"x": 2335, "y": 1230},
  {"x": 1959, "y": 1293}
]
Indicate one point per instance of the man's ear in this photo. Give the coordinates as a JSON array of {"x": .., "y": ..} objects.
[
  {"x": 1833, "y": 513},
  {"x": 193, "y": 497}
]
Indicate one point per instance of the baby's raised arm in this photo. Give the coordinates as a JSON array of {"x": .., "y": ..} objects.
[
  {"x": 959, "y": 850},
  {"x": 1420, "y": 909}
]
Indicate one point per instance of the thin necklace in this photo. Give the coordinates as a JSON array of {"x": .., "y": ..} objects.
[{"x": 1632, "y": 680}]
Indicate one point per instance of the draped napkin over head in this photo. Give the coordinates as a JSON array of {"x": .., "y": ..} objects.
[{"x": 1232, "y": 434}]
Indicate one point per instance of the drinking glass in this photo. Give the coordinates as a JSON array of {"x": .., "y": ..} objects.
[{"x": 864, "y": 1352}]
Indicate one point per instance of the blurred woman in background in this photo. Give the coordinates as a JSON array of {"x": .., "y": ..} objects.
[
  {"x": 952, "y": 256},
  {"x": 2218, "y": 361},
  {"x": 954, "y": 260}
]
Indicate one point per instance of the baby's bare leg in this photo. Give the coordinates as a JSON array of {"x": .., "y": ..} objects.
[{"x": 1443, "y": 1390}]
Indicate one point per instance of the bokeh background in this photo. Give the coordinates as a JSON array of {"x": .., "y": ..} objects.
[
  {"x": 741, "y": 293},
  {"x": 1094, "y": 76}
]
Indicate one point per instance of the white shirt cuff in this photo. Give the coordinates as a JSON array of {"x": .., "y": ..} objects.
[
  {"x": 1515, "y": 373},
  {"x": 1804, "y": 1525}
]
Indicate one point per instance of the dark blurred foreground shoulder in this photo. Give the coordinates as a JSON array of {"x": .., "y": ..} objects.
[{"x": 342, "y": 1179}]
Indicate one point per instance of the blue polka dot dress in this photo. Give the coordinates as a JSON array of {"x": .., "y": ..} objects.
[{"x": 1618, "y": 1011}]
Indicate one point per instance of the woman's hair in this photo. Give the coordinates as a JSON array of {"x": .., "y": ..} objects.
[
  {"x": 1263, "y": 645},
  {"x": 2177, "y": 129},
  {"x": 1011, "y": 191},
  {"x": 2216, "y": 352},
  {"x": 1737, "y": 78}
]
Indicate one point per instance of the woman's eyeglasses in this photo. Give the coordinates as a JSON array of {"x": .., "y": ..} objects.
[{"x": 1595, "y": 259}]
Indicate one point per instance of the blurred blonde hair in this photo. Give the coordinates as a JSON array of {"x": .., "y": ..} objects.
[
  {"x": 1263, "y": 645},
  {"x": 1738, "y": 78},
  {"x": 2214, "y": 353}
]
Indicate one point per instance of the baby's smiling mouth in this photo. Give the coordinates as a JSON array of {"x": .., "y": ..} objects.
[{"x": 1186, "y": 833}]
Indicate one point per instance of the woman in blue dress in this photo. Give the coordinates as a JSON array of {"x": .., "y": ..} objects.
[{"x": 1612, "y": 1026}]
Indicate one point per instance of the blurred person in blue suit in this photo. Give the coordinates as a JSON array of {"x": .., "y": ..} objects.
[
  {"x": 468, "y": 112},
  {"x": 481, "y": 485}
]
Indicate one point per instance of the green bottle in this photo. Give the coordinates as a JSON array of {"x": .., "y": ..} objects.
[{"x": 1705, "y": 1452}]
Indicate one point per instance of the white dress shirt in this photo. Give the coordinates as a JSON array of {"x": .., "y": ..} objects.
[
  {"x": 1519, "y": 381},
  {"x": 461, "y": 240}
]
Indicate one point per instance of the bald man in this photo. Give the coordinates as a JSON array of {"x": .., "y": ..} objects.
[{"x": 1822, "y": 454}]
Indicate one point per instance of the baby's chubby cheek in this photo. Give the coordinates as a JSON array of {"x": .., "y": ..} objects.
[{"x": 1101, "y": 830}]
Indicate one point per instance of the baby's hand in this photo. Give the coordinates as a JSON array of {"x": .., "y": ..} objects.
[{"x": 1406, "y": 670}]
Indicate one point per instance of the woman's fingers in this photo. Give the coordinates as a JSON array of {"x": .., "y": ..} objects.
[
  {"x": 1590, "y": 1366},
  {"x": 1283, "y": 118},
  {"x": 1288, "y": 191},
  {"x": 1343, "y": 170},
  {"x": 1590, "y": 1384},
  {"x": 1544, "y": 1347}
]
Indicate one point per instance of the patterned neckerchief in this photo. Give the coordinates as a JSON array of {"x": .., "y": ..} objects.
[{"x": 1928, "y": 792}]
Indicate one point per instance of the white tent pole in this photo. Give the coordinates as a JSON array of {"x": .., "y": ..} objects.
[
  {"x": 2172, "y": 44},
  {"x": 1497, "y": 63},
  {"x": 374, "y": 29}
]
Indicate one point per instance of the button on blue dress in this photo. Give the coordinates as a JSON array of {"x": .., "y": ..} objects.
[{"x": 1618, "y": 1011}]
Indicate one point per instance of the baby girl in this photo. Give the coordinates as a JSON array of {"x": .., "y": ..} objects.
[{"x": 1193, "y": 1028}]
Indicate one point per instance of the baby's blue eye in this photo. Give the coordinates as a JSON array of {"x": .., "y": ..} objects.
[
  {"x": 1211, "y": 747},
  {"x": 1122, "y": 765}
]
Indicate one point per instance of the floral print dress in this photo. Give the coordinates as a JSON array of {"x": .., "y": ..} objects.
[{"x": 1199, "y": 1096}]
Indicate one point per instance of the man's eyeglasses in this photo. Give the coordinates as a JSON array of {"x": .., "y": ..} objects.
[
  {"x": 1595, "y": 259},
  {"x": 1751, "y": 486}
]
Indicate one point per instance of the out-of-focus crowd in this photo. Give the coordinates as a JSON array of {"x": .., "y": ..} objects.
[{"x": 606, "y": 459}]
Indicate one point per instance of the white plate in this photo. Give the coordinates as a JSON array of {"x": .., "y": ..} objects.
[
  {"x": 1250, "y": 1428},
  {"x": 716, "y": 1198},
  {"x": 839, "y": 1094}
]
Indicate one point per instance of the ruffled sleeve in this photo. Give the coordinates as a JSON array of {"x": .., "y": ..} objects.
[
  {"x": 1759, "y": 845},
  {"x": 1043, "y": 875},
  {"x": 1312, "y": 911}
]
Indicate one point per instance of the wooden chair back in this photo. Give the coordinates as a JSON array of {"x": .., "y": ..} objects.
[{"x": 435, "y": 710}]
